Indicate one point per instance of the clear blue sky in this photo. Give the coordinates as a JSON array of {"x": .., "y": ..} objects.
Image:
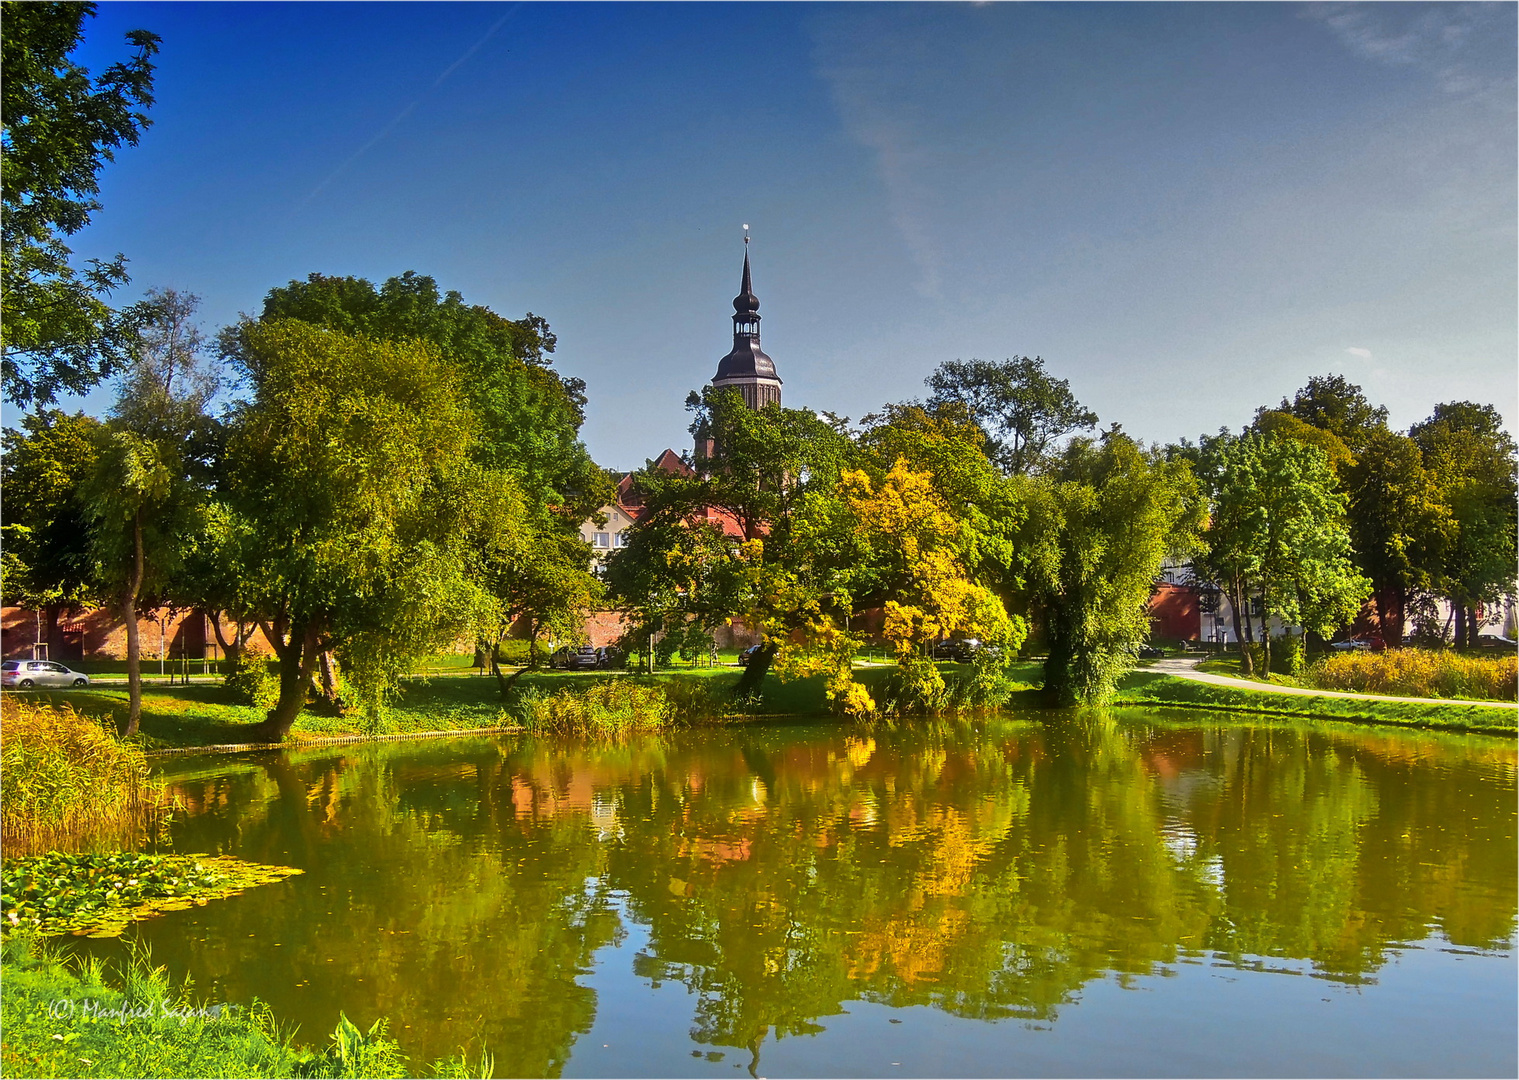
[{"x": 1186, "y": 210}]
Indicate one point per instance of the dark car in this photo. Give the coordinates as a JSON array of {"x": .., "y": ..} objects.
[
  {"x": 963, "y": 650},
  {"x": 610, "y": 656},
  {"x": 748, "y": 654},
  {"x": 575, "y": 658}
]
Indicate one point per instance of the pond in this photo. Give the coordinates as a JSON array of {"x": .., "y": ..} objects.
[{"x": 1136, "y": 892}]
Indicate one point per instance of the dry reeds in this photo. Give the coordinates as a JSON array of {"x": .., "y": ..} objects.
[
  {"x": 66, "y": 781},
  {"x": 1430, "y": 673}
]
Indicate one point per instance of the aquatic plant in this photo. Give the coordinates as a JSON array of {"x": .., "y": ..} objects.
[
  {"x": 98, "y": 895},
  {"x": 69, "y": 781},
  {"x": 1432, "y": 673}
]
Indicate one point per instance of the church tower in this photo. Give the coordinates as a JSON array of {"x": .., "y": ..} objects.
[{"x": 747, "y": 369}]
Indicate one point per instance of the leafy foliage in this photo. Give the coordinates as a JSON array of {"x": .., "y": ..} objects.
[
  {"x": 1019, "y": 407},
  {"x": 1099, "y": 526},
  {"x": 57, "y": 333}
]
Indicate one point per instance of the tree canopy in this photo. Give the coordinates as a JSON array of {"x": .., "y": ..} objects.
[{"x": 57, "y": 332}]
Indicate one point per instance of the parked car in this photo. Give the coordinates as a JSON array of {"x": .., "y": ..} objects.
[
  {"x": 22, "y": 674},
  {"x": 963, "y": 650},
  {"x": 1355, "y": 644},
  {"x": 575, "y": 658},
  {"x": 610, "y": 656},
  {"x": 748, "y": 654},
  {"x": 1150, "y": 652},
  {"x": 1495, "y": 641}
]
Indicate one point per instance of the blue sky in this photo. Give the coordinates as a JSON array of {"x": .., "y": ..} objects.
[{"x": 1187, "y": 210}]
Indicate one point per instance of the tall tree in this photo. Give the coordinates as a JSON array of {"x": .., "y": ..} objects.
[
  {"x": 1398, "y": 526},
  {"x": 1280, "y": 522},
  {"x": 57, "y": 332},
  {"x": 352, "y": 464},
  {"x": 1100, "y": 524},
  {"x": 1020, "y": 407},
  {"x": 153, "y": 468},
  {"x": 1336, "y": 405},
  {"x": 1472, "y": 461}
]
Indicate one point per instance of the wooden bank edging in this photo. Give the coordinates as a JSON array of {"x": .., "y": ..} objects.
[{"x": 331, "y": 740}]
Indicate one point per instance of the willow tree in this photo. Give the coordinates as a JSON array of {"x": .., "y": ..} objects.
[
  {"x": 1100, "y": 523},
  {"x": 352, "y": 465}
]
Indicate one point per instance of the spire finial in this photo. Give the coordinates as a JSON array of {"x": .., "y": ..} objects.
[{"x": 746, "y": 235}]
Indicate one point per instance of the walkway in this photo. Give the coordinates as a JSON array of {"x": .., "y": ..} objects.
[{"x": 1186, "y": 668}]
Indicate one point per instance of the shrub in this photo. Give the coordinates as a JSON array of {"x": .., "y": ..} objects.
[
  {"x": 612, "y": 707},
  {"x": 68, "y": 780},
  {"x": 1419, "y": 673},
  {"x": 251, "y": 682},
  {"x": 1289, "y": 656},
  {"x": 513, "y": 652}
]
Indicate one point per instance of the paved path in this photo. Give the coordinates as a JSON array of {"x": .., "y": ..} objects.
[{"x": 1186, "y": 668}]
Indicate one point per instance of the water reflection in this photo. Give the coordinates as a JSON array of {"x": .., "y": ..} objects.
[{"x": 986, "y": 870}]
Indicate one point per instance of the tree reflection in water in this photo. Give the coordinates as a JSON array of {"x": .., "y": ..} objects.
[{"x": 987, "y": 869}]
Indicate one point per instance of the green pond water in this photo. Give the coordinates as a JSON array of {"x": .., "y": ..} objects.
[{"x": 1128, "y": 893}]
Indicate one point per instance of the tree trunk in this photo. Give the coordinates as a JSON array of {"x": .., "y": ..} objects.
[
  {"x": 1246, "y": 664},
  {"x": 329, "y": 678},
  {"x": 1391, "y": 602},
  {"x": 129, "y": 613},
  {"x": 754, "y": 673},
  {"x": 1460, "y": 614},
  {"x": 298, "y": 660},
  {"x": 1265, "y": 635},
  {"x": 1473, "y": 627}
]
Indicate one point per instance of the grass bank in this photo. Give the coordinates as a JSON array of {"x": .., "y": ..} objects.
[
  {"x": 207, "y": 715},
  {"x": 1154, "y": 688},
  {"x": 65, "y": 1017}
]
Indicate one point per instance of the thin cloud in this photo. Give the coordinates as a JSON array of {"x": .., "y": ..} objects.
[
  {"x": 1364, "y": 354},
  {"x": 401, "y": 116},
  {"x": 1435, "y": 39}
]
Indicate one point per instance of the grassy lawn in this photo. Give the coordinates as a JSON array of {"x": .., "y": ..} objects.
[
  {"x": 451, "y": 699},
  {"x": 1153, "y": 688}
]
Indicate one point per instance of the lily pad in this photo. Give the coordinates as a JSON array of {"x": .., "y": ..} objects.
[{"x": 100, "y": 895}]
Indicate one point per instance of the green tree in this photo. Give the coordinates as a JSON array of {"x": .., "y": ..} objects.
[
  {"x": 1021, "y": 409},
  {"x": 1399, "y": 527},
  {"x": 1334, "y": 404},
  {"x": 1279, "y": 522},
  {"x": 352, "y": 465},
  {"x": 528, "y": 420},
  {"x": 57, "y": 333},
  {"x": 1473, "y": 464},
  {"x": 1099, "y": 526}
]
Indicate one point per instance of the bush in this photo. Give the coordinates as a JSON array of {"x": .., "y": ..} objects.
[
  {"x": 514, "y": 652},
  {"x": 613, "y": 707},
  {"x": 251, "y": 682},
  {"x": 1419, "y": 673},
  {"x": 1289, "y": 656},
  {"x": 69, "y": 781}
]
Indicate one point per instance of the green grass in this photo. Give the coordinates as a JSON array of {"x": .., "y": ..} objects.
[
  {"x": 65, "y": 1017},
  {"x": 1153, "y": 688},
  {"x": 206, "y": 715}
]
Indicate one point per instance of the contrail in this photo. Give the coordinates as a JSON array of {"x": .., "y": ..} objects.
[{"x": 404, "y": 113}]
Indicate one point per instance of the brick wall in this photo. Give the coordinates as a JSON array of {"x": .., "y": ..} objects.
[{"x": 101, "y": 634}]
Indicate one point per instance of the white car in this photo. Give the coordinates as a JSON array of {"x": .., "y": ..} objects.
[{"x": 24, "y": 674}]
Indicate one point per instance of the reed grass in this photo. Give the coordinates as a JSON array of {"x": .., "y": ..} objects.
[
  {"x": 67, "y": 781},
  {"x": 1431, "y": 673}
]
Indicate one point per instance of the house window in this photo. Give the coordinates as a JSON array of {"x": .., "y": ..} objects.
[
  {"x": 619, "y": 538},
  {"x": 601, "y": 540}
]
